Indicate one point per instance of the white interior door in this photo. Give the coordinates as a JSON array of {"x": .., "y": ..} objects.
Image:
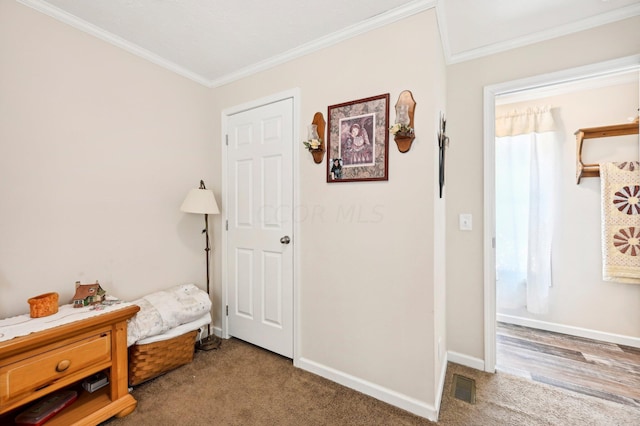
[{"x": 260, "y": 225}]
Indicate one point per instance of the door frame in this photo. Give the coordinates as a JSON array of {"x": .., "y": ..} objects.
[
  {"x": 628, "y": 63},
  {"x": 293, "y": 94}
]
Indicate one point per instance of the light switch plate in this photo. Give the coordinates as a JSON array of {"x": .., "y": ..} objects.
[{"x": 466, "y": 222}]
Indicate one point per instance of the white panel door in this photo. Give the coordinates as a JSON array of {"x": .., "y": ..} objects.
[{"x": 260, "y": 225}]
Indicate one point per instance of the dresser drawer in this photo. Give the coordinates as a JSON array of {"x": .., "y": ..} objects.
[{"x": 27, "y": 375}]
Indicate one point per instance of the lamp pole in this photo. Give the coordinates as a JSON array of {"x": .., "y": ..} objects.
[
  {"x": 211, "y": 341},
  {"x": 202, "y": 201}
]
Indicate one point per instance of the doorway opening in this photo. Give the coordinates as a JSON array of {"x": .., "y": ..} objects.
[{"x": 573, "y": 250}]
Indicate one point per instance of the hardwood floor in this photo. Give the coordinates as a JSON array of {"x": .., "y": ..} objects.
[{"x": 601, "y": 369}]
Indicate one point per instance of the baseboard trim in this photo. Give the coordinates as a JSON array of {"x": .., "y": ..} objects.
[
  {"x": 216, "y": 331},
  {"x": 466, "y": 360},
  {"x": 389, "y": 396},
  {"x": 568, "y": 329}
]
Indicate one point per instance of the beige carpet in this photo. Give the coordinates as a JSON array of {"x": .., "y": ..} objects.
[{"x": 240, "y": 384}]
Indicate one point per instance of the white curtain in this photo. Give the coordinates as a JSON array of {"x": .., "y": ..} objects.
[{"x": 526, "y": 148}]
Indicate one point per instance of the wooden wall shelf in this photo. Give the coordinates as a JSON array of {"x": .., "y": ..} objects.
[{"x": 593, "y": 170}]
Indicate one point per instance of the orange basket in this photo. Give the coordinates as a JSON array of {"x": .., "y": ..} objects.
[{"x": 43, "y": 305}]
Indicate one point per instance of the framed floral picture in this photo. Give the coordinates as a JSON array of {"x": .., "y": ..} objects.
[{"x": 358, "y": 140}]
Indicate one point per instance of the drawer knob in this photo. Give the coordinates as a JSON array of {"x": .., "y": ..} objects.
[{"x": 63, "y": 365}]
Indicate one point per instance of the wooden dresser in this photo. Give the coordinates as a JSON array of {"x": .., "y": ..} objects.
[{"x": 35, "y": 365}]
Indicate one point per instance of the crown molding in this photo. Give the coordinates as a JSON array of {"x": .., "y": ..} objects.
[
  {"x": 93, "y": 30},
  {"x": 377, "y": 21},
  {"x": 352, "y": 31},
  {"x": 582, "y": 25}
]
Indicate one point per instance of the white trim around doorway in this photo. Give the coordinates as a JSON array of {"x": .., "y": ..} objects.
[{"x": 615, "y": 66}]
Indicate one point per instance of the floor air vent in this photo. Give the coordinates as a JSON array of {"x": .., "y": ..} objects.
[{"x": 464, "y": 389}]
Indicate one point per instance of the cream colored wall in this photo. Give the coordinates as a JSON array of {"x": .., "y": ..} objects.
[
  {"x": 579, "y": 297},
  {"x": 465, "y": 83},
  {"x": 367, "y": 279},
  {"x": 98, "y": 148}
]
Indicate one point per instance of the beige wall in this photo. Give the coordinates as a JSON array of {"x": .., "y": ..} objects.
[
  {"x": 579, "y": 297},
  {"x": 465, "y": 83},
  {"x": 369, "y": 280},
  {"x": 98, "y": 148}
]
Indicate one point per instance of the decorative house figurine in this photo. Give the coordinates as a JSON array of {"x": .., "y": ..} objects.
[{"x": 87, "y": 294}]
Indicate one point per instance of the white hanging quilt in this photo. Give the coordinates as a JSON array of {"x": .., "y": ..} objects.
[{"x": 620, "y": 184}]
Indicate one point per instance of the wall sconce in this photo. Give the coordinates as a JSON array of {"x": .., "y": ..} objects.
[
  {"x": 403, "y": 130},
  {"x": 315, "y": 138}
]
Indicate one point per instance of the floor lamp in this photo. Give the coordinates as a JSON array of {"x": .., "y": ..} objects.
[{"x": 202, "y": 201}]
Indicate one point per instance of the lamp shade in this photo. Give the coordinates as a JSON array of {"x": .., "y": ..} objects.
[{"x": 200, "y": 201}]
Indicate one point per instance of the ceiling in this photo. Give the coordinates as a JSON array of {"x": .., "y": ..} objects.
[{"x": 217, "y": 41}]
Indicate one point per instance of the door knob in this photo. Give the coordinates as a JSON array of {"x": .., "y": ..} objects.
[{"x": 285, "y": 239}]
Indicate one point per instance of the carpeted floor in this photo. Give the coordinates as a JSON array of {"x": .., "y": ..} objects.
[{"x": 240, "y": 384}]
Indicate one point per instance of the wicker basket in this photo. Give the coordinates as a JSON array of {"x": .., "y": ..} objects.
[
  {"x": 153, "y": 359},
  {"x": 43, "y": 305}
]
